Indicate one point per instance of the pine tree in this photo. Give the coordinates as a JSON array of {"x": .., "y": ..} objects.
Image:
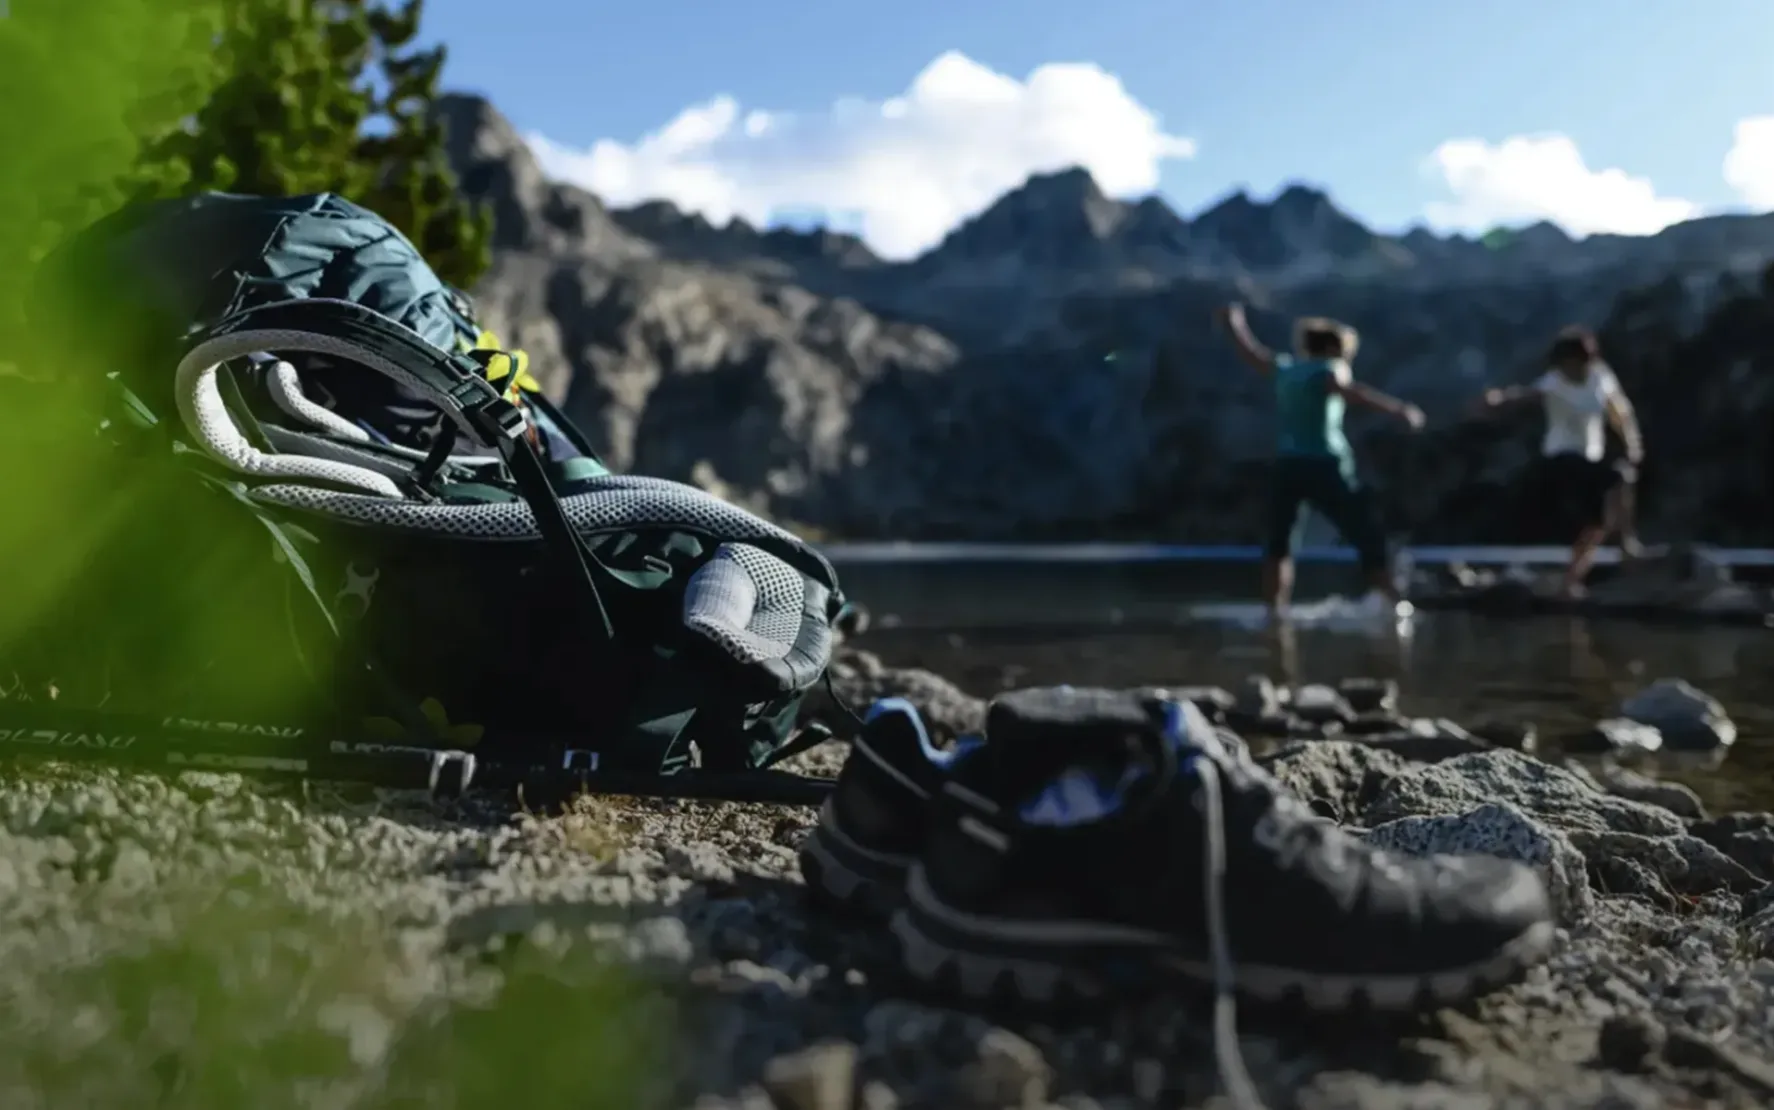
[{"x": 329, "y": 96}]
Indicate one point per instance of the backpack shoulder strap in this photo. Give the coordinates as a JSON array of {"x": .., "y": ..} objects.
[{"x": 453, "y": 381}]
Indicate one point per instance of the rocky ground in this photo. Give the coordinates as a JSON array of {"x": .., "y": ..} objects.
[{"x": 206, "y": 943}]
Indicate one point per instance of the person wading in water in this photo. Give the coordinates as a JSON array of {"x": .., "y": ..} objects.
[
  {"x": 1314, "y": 465},
  {"x": 1589, "y": 496}
]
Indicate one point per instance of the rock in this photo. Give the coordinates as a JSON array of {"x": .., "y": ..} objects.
[
  {"x": 1257, "y": 697},
  {"x": 1319, "y": 705},
  {"x": 1629, "y": 1042},
  {"x": 1619, "y": 876},
  {"x": 821, "y": 1077},
  {"x": 1689, "y": 719},
  {"x": 1420, "y": 747},
  {"x": 1507, "y": 598},
  {"x": 1747, "y": 838},
  {"x": 1502, "y": 831},
  {"x": 1260, "y": 709},
  {"x": 1215, "y": 702},
  {"x": 1334, "y": 778},
  {"x": 1009, "y": 1072},
  {"x": 859, "y": 679},
  {"x": 1520, "y": 736},
  {"x": 1544, "y": 793},
  {"x": 1444, "y": 729},
  {"x": 1615, "y": 737},
  {"x": 1731, "y": 599},
  {"x": 1688, "y": 864},
  {"x": 1678, "y": 799},
  {"x": 1674, "y": 565},
  {"x": 1685, "y": 1048},
  {"x": 1758, "y": 931},
  {"x": 947, "y": 1058},
  {"x": 1377, "y": 723},
  {"x": 1370, "y": 695}
]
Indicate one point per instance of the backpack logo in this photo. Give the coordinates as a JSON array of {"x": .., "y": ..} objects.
[{"x": 359, "y": 590}]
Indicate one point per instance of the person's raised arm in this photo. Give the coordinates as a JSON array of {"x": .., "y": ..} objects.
[
  {"x": 1249, "y": 347},
  {"x": 1343, "y": 382},
  {"x": 1623, "y": 417},
  {"x": 1508, "y": 397}
]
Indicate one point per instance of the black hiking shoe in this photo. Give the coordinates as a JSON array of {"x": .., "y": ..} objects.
[
  {"x": 871, "y": 827},
  {"x": 1169, "y": 858}
]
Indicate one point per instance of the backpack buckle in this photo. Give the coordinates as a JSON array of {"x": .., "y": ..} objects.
[
  {"x": 456, "y": 783},
  {"x": 487, "y": 409},
  {"x": 579, "y": 759}
]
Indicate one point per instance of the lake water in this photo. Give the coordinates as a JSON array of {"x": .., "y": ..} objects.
[{"x": 1026, "y": 626}]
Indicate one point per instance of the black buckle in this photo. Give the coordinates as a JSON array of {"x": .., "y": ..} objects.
[{"x": 487, "y": 410}]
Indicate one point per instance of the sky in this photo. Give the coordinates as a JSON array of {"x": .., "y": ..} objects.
[{"x": 899, "y": 120}]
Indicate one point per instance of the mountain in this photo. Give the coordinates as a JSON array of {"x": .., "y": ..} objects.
[{"x": 1049, "y": 369}]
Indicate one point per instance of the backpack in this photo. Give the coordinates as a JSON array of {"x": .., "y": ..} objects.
[
  {"x": 155, "y": 272},
  {"x": 465, "y": 588}
]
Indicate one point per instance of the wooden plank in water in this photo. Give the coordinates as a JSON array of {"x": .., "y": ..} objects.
[{"x": 1100, "y": 553}]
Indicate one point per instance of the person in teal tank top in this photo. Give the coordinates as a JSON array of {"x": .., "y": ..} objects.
[{"x": 1314, "y": 463}]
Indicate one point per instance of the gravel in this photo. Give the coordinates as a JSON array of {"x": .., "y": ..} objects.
[{"x": 208, "y": 942}]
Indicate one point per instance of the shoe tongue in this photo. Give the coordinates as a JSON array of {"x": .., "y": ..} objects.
[{"x": 1081, "y": 737}]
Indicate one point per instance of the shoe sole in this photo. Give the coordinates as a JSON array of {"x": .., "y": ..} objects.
[
  {"x": 988, "y": 960},
  {"x": 846, "y": 875}
]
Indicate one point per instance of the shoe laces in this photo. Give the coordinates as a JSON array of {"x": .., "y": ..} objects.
[{"x": 1205, "y": 766}]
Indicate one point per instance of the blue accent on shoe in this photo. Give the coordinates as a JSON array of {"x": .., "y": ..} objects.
[
  {"x": 1176, "y": 723},
  {"x": 1077, "y": 797},
  {"x": 891, "y": 705},
  {"x": 936, "y": 756},
  {"x": 1081, "y": 795}
]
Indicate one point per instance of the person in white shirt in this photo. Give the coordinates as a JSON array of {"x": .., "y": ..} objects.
[{"x": 1592, "y": 496}]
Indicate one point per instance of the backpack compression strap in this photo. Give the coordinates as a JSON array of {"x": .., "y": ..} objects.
[{"x": 454, "y": 382}]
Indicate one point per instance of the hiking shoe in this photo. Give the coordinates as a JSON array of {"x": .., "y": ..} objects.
[
  {"x": 1170, "y": 858},
  {"x": 871, "y": 827}
]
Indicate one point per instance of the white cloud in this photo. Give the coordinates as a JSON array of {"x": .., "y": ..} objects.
[
  {"x": 905, "y": 170},
  {"x": 1544, "y": 177},
  {"x": 1749, "y": 167}
]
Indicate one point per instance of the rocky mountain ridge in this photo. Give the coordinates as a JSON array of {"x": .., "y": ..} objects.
[{"x": 1049, "y": 370}]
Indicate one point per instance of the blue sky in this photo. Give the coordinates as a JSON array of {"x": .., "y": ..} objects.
[{"x": 1354, "y": 95}]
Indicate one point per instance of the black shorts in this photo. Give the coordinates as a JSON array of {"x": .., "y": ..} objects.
[
  {"x": 1323, "y": 484},
  {"x": 1572, "y": 491}
]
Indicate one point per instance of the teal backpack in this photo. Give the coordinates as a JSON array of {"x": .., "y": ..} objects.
[{"x": 439, "y": 552}]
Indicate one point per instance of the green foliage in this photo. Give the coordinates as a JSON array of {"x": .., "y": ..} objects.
[
  {"x": 112, "y": 100},
  {"x": 82, "y": 83},
  {"x": 332, "y": 96}
]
